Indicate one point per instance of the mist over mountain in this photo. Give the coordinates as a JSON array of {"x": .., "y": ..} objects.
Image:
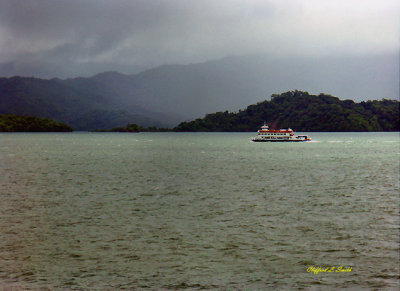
[
  {"x": 234, "y": 82},
  {"x": 169, "y": 94}
]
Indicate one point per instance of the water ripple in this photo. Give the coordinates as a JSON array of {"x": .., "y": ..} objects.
[{"x": 197, "y": 211}]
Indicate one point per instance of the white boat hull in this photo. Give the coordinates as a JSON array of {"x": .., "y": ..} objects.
[
  {"x": 279, "y": 140},
  {"x": 280, "y": 135}
]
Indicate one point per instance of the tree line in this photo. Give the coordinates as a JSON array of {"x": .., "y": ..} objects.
[
  {"x": 304, "y": 112},
  {"x": 18, "y": 123},
  {"x": 296, "y": 109}
]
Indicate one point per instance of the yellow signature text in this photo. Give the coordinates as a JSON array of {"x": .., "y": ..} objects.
[{"x": 330, "y": 269}]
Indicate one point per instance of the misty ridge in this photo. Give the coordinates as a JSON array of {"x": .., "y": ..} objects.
[{"x": 168, "y": 95}]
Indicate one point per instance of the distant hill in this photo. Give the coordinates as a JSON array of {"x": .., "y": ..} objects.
[
  {"x": 85, "y": 104},
  {"x": 167, "y": 95},
  {"x": 304, "y": 112},
  {"x": 16, "y": 123}
]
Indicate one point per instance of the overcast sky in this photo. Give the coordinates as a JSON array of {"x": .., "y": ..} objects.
[{"x": 68, "y": 38}]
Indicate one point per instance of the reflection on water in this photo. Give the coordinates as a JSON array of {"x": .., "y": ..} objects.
[{"x": 198, "y": 211}]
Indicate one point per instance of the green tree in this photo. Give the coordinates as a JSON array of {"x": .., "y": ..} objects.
[{"x": 304, "y": 112}]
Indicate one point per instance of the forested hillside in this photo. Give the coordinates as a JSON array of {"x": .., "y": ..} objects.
[
  {"x": 16, "y": 123},
  {"x": 84, "y": 103},
  {"x": 304, "y": 112},
  {"x": 167, "y": 95}
]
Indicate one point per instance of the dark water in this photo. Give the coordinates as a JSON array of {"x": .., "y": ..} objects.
[{"x": 198, "y": 211}]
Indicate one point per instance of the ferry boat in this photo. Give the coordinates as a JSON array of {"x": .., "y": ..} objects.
[{"x": 281, "y": 135}]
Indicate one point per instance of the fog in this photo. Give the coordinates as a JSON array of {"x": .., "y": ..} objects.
[{"x": 47, "y": 38}]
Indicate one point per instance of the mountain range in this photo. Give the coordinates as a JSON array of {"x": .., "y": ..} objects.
[{"x": 169, "y": 94}]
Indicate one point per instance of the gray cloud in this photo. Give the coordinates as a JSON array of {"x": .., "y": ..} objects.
[{"x": 64, "y": 38}]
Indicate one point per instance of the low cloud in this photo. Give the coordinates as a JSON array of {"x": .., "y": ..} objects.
[{"x": 69, "y": 38}]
